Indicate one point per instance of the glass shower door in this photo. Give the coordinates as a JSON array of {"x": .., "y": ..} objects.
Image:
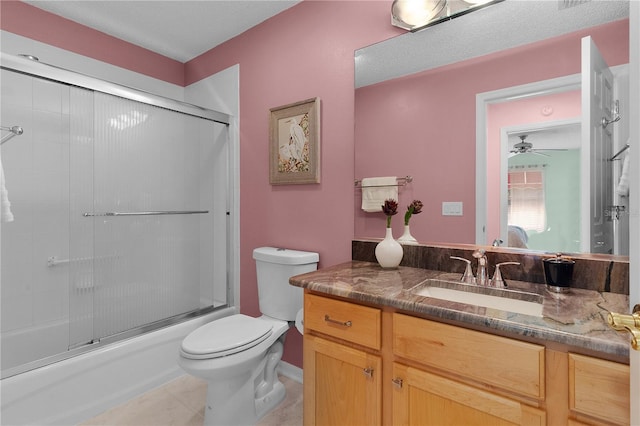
[
  {"x": 120, "y": 219},
  {"x": 154, "y": 216}
]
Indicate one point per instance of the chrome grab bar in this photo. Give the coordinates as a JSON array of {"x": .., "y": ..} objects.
[
  {"x": 54, "y": 261},
  {"x": 89, "y": 214}
]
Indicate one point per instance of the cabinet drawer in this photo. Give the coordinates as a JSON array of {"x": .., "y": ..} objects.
[
  {"x": 498, "y": 361},
  {"x": 344, "y": 320},
  {"x": 599, "y": 388}
]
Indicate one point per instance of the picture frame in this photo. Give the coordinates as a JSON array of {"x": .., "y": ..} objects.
[{"x": 294, "y": 143}]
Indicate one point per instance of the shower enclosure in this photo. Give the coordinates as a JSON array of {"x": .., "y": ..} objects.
[{"x": 115, "y": 213}]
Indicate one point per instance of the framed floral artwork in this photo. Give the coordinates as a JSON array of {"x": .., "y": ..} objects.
[{"x": 294, "y": 143}]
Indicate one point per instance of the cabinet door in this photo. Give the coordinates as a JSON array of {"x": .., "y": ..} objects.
[
  {"x": 421, "y": 398},
  {"x": 342, "y": 385},
  {"x": 599, "y": 388}
]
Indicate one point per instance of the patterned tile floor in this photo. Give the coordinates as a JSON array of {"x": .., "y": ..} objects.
[{"x": 181, "y": 403}]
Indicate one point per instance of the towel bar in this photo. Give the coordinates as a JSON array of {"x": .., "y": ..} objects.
[
  {"x": 615, "y": 157},
  {"x": 401, "y": 181}
]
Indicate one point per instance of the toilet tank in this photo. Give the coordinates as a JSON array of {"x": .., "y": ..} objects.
[{"x": 274, "y": 266}]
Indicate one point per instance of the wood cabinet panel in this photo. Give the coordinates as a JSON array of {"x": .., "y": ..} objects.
[
  {"x": 347, "y": 321},
  {"x": 599, "y": 388},
  {"x": 428, "y": 399},
  {"x": 342, "y": 385},
  {"x": 505, "y": 363}
]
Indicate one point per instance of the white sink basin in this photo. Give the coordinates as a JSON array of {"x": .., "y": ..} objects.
[{"x": 508, "y": 304}]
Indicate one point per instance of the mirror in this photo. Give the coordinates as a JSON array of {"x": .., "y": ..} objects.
[{"x": 416, "y": 106}]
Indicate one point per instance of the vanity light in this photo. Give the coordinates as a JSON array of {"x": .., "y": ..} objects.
[{"x": 414, "y": 15}]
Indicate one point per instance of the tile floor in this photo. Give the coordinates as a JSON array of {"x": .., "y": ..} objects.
[{"x": 181, "y": 403}]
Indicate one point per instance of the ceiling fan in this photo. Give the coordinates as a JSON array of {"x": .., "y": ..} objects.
[{"x": 524, "y": 147}]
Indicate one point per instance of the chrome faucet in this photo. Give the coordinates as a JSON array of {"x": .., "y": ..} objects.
[
  {"x": 467, "y": 276},
  {"x": 482, "y": 274},
  {"x": 497, "y": 280},
  {"x": 482, "y": 277}
]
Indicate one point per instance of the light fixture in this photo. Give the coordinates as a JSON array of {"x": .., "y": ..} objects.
[{"x": 414, "y": 15}]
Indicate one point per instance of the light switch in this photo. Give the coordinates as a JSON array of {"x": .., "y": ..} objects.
[{"x": 452, "y": 208}]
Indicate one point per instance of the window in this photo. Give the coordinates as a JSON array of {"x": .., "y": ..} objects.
[{"x": 526, "y": 198}]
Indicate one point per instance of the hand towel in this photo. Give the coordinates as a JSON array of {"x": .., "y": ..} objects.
[
  {"x": 376, "y": 190},
  {"x": 623, "y": 183},
  {"x": 5, "y": 205}
]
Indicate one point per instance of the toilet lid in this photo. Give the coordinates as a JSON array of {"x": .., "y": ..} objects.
[{"x": 225, "y": 336}]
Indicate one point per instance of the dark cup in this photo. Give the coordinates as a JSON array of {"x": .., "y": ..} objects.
[{"x": 558, "y": 273}]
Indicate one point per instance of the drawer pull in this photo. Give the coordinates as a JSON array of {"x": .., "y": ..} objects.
[
  {"x": 368, "y": 372},
  {"x": 327, "y": 318},
  {"x": 397, "y": 382}
]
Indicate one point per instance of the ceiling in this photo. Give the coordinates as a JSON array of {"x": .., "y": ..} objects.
[{"x": 178, "y": 29}]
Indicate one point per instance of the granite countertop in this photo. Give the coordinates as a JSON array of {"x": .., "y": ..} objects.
[{"x": 577, "y": 319}]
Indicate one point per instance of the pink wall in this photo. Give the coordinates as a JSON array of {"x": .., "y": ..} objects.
[
  {"x": 424, "y": 126},
  {"x": 304, "y": 52}
]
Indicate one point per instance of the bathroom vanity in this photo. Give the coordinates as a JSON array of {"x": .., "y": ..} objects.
[{"x": 377, "y": 350}]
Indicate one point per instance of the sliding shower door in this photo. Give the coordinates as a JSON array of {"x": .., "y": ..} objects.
[{"x": 120, "y": 219}]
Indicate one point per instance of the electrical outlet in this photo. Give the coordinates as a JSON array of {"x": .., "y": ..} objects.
[{"x": 452, "y": 208}]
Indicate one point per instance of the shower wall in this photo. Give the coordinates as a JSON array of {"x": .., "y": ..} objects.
[{"x": 120, "y": 218}]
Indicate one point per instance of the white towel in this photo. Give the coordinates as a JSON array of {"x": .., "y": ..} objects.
[
  {"x": 623, "y": 183},
  {"x": 376, "y": 190},
  {"x": 5, "y": 205}
]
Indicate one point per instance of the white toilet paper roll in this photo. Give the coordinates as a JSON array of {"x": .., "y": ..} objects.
[{"x": 300, "y": 321}]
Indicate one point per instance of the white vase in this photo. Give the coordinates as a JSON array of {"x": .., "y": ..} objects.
[
  {"x": 388, "y": 251},
  {"x": 407, "y": 238}
]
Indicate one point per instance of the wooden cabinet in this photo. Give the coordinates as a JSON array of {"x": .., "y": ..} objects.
[
  {"x": 497, "y": 361},
  {"x": 343, "y": 320},
  {"x": 423, "y": 398},
  {"x": 342, "y": 378},
  {"x": 448, "y": 358},
  {"x": 368, "y": 366},
  {"x": 342, "y": 385},
  {"x": 599, "y": 389}
]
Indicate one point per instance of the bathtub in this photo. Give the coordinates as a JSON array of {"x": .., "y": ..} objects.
[
  {"x": 76, "y": 389},
  {"x": 22, "y": 346}
]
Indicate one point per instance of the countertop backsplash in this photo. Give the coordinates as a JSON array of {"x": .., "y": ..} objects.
[{"x": 591, "y": 272}]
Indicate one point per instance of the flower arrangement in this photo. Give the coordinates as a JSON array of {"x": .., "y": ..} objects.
[
  {"x": 414, "y": 208},
  {"x": 390, "y": 208},
  {"x": 388, "y": 251}
]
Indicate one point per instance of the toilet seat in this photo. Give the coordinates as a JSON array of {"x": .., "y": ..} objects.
[{"x": 225, "y": 336}]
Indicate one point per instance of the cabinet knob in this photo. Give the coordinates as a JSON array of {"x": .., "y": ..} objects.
[
  {"x": 630, "y": 323},
  {"x": 368, "y": 371},
  {"x": 397, "y": 382}
]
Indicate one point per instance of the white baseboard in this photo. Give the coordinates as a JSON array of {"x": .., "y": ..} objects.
[{"x": 290, "y": 371}]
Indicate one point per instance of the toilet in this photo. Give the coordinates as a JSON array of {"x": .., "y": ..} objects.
[{"x": 238, "y": 355}]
